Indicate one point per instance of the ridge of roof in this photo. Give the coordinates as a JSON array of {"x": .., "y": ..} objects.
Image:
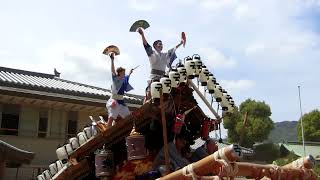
[
  {"x": 53, "y": 77},
  {"x": 44, "y": 75},
  {"x": 30, "y": 73}
]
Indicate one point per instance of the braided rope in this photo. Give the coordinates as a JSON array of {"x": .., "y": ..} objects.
[
  {"x": 298, "y": 163},
  {"x": 220, "y": 155},
  {"x": 228, "y": 169},
  {"x": 275, "y": 172},
  {"x": 188, "y": 171}
]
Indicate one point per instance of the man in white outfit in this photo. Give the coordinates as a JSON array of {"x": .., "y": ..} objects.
[{"x": 158, "y": 59}]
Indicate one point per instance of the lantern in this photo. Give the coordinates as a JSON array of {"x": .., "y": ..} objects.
[
  {"x": 53, "y": 169},
  {"x": 183, "y": 73},
  {"x": 104, "y": 163},
  {"x": 224, "y": 102},
  {"x": 166, "y": 84},
  {"x": 59, "y": 165},
  {"x": 46, "y": 174},
  {"x": 231, "y": 102},
  {"x": 62, "y": 153},
  {"x": 230, "y": 109},
  {"x": 88, "y": 131},
  {"x": 155, "y": 89},
  {"x": 198, "y": 64},
  {"x": 41, "y": 177},
  {"x": 136, "y": 146},
  {"x": 175, "y": 78},
  {"x": 217, "y": 92},
  {"x": 190, "y": 67},
  {"x": 204, "y": 76},
  {"x": 82, "y": 138},
  {"x": 68, "y": 148},
  {"x": 211, "y": 83},
  {"x": 74, "y": 142},
  {"x": 212, "y": 77}
]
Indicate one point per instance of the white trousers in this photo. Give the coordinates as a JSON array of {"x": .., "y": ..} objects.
[{"x": 115, "y": 109}]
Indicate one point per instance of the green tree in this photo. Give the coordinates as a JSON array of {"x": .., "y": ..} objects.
[
  {"x": 311, "y": 125},
  {"x": 258, "y": 126}
]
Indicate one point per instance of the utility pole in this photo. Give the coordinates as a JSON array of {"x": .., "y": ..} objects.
[{"x": 302, "y": 131}]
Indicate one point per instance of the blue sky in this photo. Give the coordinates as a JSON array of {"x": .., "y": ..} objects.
[{"x": 256, "y": 49}]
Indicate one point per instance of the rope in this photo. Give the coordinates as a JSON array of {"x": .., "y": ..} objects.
[
  {"x": 180, "y": 94},
  {"x": 174, "y": 105},
  {"x": 298, "y": 163},
  {"x": 275, "y": 172},
  {"x": 220, "y": 155},
  {"x": 188, "y": 171},
  {"x": 227, "y": 169}
]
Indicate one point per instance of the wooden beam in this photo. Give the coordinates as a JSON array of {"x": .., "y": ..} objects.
[
  {"x": 33, "y": 101},
  {"x": 194, "y": 87}
]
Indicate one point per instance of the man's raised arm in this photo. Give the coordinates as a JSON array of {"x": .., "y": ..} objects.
[
  {"x": 142, "y": 36},
  {"x": 112, "y": 64}
]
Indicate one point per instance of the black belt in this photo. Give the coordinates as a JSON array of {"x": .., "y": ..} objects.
[{"x": 157, "y": 72}]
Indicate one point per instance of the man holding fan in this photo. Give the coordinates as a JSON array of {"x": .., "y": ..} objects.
[
  {"x": 158, "y": 59},
  {"x": 120, "y": 84}
]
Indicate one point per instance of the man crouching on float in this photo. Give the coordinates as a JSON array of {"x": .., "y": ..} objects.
[{"x": 120, "y": 84}]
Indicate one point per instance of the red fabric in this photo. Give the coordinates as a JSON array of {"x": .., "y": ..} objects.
[
  {"x": 132, "y": 168},
  {"x": 184, "y": 38}
]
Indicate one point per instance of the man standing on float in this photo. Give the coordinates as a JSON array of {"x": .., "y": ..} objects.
[
  {"x": 120, "y": 84},
  {"x": 158, "y": 60}
]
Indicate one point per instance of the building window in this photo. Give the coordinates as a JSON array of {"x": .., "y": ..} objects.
[
  {"x": 43, "y": 124},
  {"x": 10, "y": 119},
  {"x": 72, "y": 124}
]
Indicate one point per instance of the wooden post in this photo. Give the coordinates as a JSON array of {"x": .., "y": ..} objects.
[
  {"x": 164, "y": 133},
  {"x": 203, "y": 99}
]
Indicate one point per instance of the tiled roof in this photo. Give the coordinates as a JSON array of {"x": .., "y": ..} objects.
[
  {"x": 199, "y": 142},
  {"x": 311, "y": 149},
  {"x": 50, "y": 83},
  {"x": 13, "y": 154}
]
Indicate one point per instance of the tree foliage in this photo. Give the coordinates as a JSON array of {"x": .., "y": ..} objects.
[
  {"x": 258, "y": 126},
  {"x": 311, "y": 126}
]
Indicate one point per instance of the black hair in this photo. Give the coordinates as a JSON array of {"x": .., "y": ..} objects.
[
  {"x": 120, "y": 69},
  {"x": 156, "y": 42}
]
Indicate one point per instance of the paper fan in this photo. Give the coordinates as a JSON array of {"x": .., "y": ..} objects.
[
  {"x": 111, "y": 49},
  {"x": 141, "y": 23}
]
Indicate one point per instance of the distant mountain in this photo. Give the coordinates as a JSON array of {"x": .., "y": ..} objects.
[{"x": 284, "y": 131}]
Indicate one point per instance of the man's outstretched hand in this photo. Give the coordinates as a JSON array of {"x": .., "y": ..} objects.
[
  {"x": 140, "y": 31},
  {"x": 111, "y": 56}
]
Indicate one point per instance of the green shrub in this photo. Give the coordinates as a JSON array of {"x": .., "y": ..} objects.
[{"x": 267, "y": 152}]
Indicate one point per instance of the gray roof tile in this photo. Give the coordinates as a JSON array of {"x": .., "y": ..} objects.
[{"x": 50, "y": 83}]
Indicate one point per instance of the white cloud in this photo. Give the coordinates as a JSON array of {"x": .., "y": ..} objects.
[
  {"x": 87, "y": 64},
  {"x": 4, "y": 52},
  {"x": 215, "y": 59},
  {"x": 76, "y": 62},
  {"x": 283, "y": 47},
  {"x": 243, "y": 11},
  {"x": 237, "y": 85},
  {"x": 216, "y": 5},
  {"x": 143, "y": 5},
  {"x": 310, "y": 3}
]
